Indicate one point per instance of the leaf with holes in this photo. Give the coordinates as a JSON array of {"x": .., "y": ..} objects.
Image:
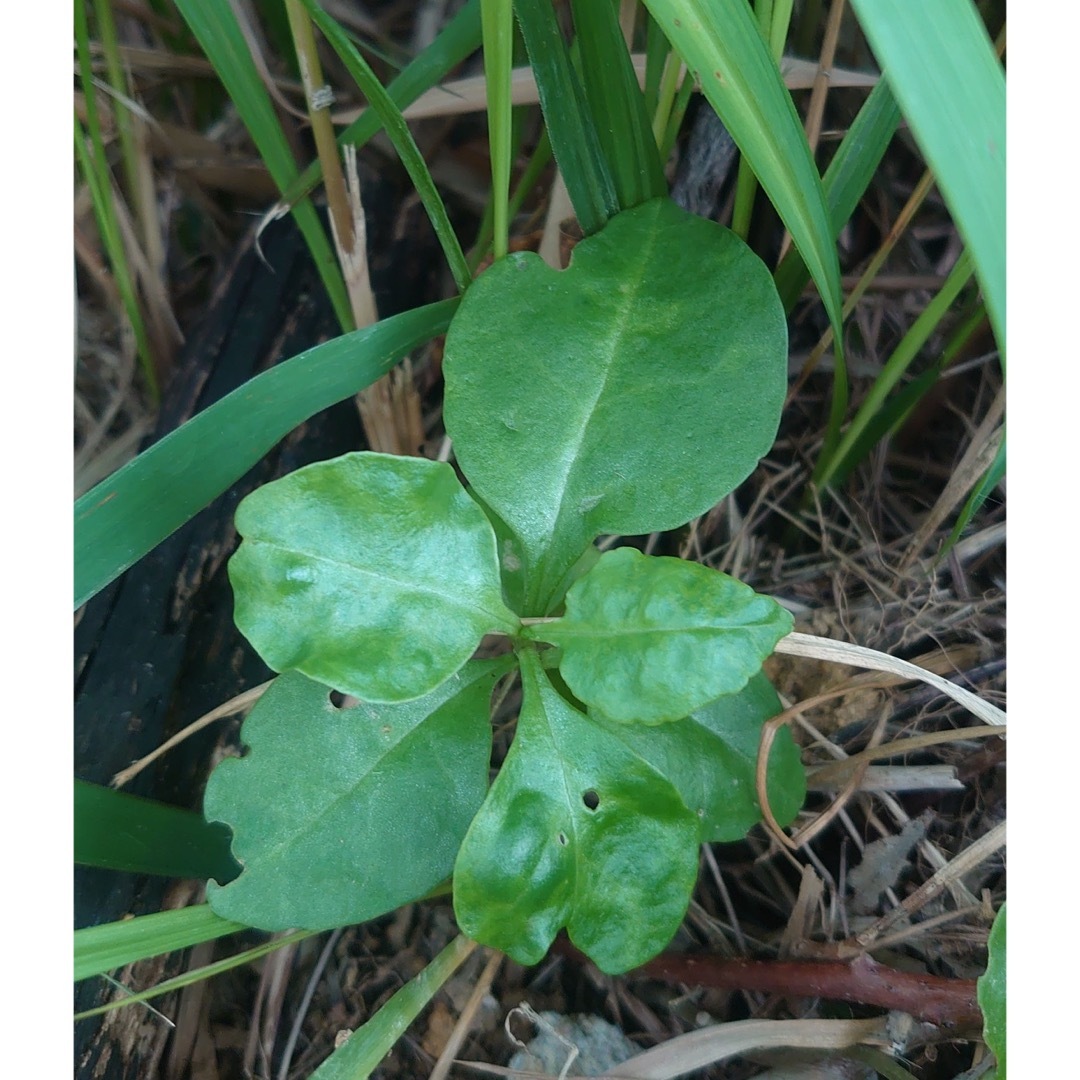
[
  {"x": 711, "y": 758},
  {"x": 579, "y": 831},
  {"x": 627, "y": 394},
  {"x": 326, "y": 800},
  {"x": 649, "y": 639},
  {"x": 376, "y": 575}
]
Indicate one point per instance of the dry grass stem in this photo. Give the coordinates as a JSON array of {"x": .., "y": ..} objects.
[
  {"x": 467, "y": 1017},
  {"x": 229, "y": 708}
]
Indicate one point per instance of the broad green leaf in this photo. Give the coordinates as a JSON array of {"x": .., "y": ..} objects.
[
  {"x": 723, "y": 47},
  {"x": 124, "y": 832},
  {"x": 711, "y": 758},
  {"x": 649, "y": 639},
  {"x": 941, "y": 65},
  {"x": 577, "y": 831},
  {"x": 107, "y": 947},
  {"x": 374, "y": 574},
  {"x": 570, "y": 123},
  {"x": 122, "y": 518},
  {"x": 616, "y": 101},
  {"x": 626, "y": 394},
  {"x": 991, "y": 993},
  {"x": 339, "y": 815},
  {"x": 364, "y": 1050},
  {"x": 215, "y": 25}
]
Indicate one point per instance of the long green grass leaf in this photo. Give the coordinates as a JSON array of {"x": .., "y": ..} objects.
[
  {"x": 846, "y": 179},
  {"x": 123, "y": 517},
  {"x": 119, "y": 831},
  {"x": 357, "y": 1058},
  {"x": 105, "y": 948},
  {"x": 213, "y": 22},
  {"x": 570, "y": 124},
  {"x": 615, "y": 98},
  {"x": 833, "y": 466},
  {"x": 400, "y": 135},
  {"x": 93, "y": 163},
  {"x": 497, "y": 18},
  {"x": 941, "y": 64},
  {"x": 976, "y": 499},
  {"x": 722, "y": 45},
  {"x": 456, "y": 41},
  {"x": 241, "y": 959}
]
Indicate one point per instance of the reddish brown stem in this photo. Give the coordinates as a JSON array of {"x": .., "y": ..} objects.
[{"x": 937, "y": 1000}]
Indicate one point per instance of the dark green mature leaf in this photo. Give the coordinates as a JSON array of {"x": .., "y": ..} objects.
[
  {"x": 123, "y": 517},
  {"x": 570, "y": 123},
  {"x": 374, "y": 574},
  {"x": 627, "y": 394},
  {"x": 124, "y": 832},
  {"x": 577, "y": 831},
  {"x": 340, "y": 815},
  {"x": 711, "y": 758},
  {"x": 107, "y": 947},
  {"x": 991, "y": 993},
  {"x": 649, "y": 639}
]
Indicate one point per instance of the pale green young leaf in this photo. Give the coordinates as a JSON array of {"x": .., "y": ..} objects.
[
  {"x": 374, "y": 574},
  {"x": 123, "y": 517},
  {"x": 665, "y": 326},
  {"x": 941, "y": 66},
  {"x": 649, "y": 639},
  {"x": 577, "y": 831},
  {"x": 711, "y": 758},
  {"x": 723, "y": 46},
  {"x": 340, "y": 815},
  {"x": 112, "y": 945}
]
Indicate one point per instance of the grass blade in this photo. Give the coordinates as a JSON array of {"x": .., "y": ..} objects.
[
  {"x": 570, "y": 125},
  {"x": 118, "y": 831},
  {"x": 976, "y": 499},
  {"x": 398, "y": 130},
  {"x": 123, "y": 517},
  {"x": 941, "y": 64},
  {"x": 214, "y": 25},
  {"x": 357, "y": 1058},
  {"x": 248, "y": 956},
  {"x": 721, "y": 43},
  {"x": 497, "y": 19},
  {"x": 105, "y": 948},
  {"x": 612, "y": 90},
  {"x": 830, "y": 467},
  {"x": 455, "y": 43},
  {"x": 846, "y": 179}
]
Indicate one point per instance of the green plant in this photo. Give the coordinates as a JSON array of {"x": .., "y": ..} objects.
[
  {"x": 642, "y": 705},
  {"x": 624, "y": 396}
]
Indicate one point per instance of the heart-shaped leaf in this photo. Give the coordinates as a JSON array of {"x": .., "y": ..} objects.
[
  {"x": 711, "y": 758},
  {"x": 627, "y": 394},
  {"x": 340, "y": 815},
  {"x": 374, "y": 574},
  {"x": 577, "y": 831},
  {"x": 649, "y": 639}
]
